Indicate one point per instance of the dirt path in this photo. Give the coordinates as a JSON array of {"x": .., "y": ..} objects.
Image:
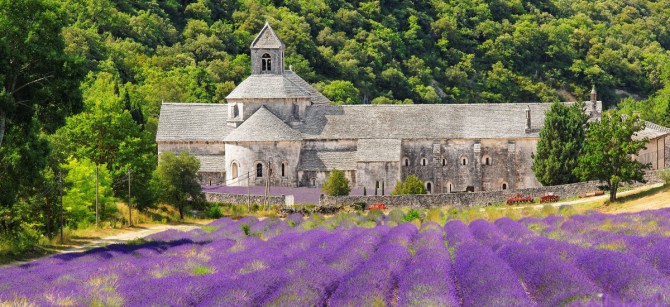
[
  {"x": 129, "y": 236},
  {"x": 119, "y": 238}
]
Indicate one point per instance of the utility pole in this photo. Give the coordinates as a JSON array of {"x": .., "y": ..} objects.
[
  {"x": 130, "y": 207},
  {"x": 97, "y": 196},
  {"x": 248, "y": 193},
  {"x": 60, "y": 186}
]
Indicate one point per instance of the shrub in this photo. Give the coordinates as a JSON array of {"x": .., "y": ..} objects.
[
  {"x": 412, "y": 185},
  {"x": 665, "y": 175},
  {"x": 336, "y": 184},
  {"x": 396, "y": 215},
  {"x": 245, "y": 228},
  {"x": 435, "y": 215},
  {"x": 566, "y": 210},
  {"x": 213, "y": 211},
  {"x": 360, "y": 206},
  {"x": 411, "y": 215}
]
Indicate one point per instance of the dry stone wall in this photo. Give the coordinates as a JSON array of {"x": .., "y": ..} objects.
[
  {"x": 462, "y": 199},
  {"x": 243, "y": 199}
]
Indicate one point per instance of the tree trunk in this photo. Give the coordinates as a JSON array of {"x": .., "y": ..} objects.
[
  {"x": 613, "y": 189},
  {"x": 2, "y": 128},
  {"x": 181, "y": 212}
]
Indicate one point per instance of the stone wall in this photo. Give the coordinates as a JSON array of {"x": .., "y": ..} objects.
[
  {"x": 242, "y": 199},
  {"x": 462, "y": 199}
]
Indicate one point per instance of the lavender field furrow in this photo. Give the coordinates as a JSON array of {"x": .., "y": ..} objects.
[{"x": 369, "y": 259}]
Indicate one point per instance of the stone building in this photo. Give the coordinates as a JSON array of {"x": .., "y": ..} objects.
[{"x": 277, "y": 127}]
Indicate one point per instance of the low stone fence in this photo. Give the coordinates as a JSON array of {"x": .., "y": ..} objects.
[
  {"x": 243, "y": 199},
  {"x": 462, "y": 199}
]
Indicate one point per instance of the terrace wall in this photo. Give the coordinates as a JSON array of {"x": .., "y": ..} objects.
[
  {"x": 242, "y": 199},
  {"x": 463, "y": 199}
]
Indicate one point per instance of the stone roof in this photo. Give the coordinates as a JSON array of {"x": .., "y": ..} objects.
[
  {"x": 263, "y": 126},
  {"x": 212, "y": 163},
  {"x": 267, "y": 39},
  {"x": 316, "y": 96},
  {"x": 652, "y": 131},
  {"x": 268, "y": 86},
  {"x": 312, "y": 160},
  {"x": 192, "y": 122},
  {"x": 378, "y": 150},
  {"x": 452, "y": 121}
]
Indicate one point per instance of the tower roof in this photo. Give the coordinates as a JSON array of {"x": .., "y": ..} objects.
[
  {"x": 267, "y": 39},
  {"x": 263, "y": 126}
]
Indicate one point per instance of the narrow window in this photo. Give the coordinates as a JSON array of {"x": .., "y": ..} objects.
[
  {"x": 444, "y": 162},
  {"x": 450, "y": 188},
  {"x": 406, "y": 162},
  {"x": 504, "y": 186},
  {"x": 423, "y": 161},
  {"x": 266, "y": 62},
  {"x": 464, "y": 161},
  {"x": 210, "y": 182},
  {"x": 313, "y": 182},
  {"x": 283, "y": 169},
  {"x": 234, "y": 170},
  {"x": 429, "y": 187},
  {"x": 259, "y": 170}
]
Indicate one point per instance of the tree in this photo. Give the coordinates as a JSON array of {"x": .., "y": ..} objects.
[
  {"x": 80, "y": 194},
  {"x": 177, "y": 180},
  {"x": 39, "y": 86},
  {"x": 412, "y": 185},
  {"x": 342, "y": 92},
  {"x": 561, "y": 141},
  {"x": 336, "y": 184},
  {"x": 608, "y": 151}
]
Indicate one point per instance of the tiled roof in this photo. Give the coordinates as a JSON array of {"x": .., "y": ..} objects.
[
  {"x": 193, "y": 122},
  {"x": 312, "y": 160},
  {"x": 263, "y": 126},
  {"x": 454, "y": 121},
  {"x": 652, "y": 131},
  {"x": 267, "y": 39},
  {"x": 316, "y": 96},
  {"x": 268, "y": 86},
  {"x": 378, "y": 150},
  {"x": 212, "y": 163}
]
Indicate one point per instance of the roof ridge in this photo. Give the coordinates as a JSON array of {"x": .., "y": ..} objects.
[{"x": 272, "y": 32}]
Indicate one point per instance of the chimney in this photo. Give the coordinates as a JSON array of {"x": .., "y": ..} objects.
[
  {"x": 528, "y": 119},
  {"x": 594, "y": 94}
]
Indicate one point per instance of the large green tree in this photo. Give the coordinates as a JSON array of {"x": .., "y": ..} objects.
[
  {"x": 177, "y": 180},
  {"x": 609, "y": 150},
  {"x": 561, "y": 141},
  {"x": 39, "y": 86}
]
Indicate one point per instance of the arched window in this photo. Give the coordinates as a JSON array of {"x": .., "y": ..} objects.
[
  {"x": 450, "y": 187},
  {"x": 464, "y": 161},
  {"x": 429, "y": 187},
  {"x": 444, "y": 162},
  {"x": 259, "y": 170},
  {"x": 423, "y": 161},
  {"x": 234, "y": 170},
  {"x": 406, "y": 161},
  {"x": 283, "y": 169},
  {"x": 504, "y": 186},
  {"x": 486, "y": 160},
  {"x": 236, "y": 111},
  {"x": 266, "y": 62}
]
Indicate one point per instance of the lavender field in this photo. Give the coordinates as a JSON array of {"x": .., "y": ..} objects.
[{"x": 593, "y": 259}]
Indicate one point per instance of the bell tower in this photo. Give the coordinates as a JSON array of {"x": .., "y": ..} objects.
[{"x": 267, "y": 53}]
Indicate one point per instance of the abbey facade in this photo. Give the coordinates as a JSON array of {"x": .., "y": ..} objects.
[{"x": 277, "y": 128}]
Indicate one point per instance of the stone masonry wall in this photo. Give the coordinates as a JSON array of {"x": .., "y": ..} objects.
[
  {"x": 462, "y": 199},
  {"x": 242, "y": 199}
]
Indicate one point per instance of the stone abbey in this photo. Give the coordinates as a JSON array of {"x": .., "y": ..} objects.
[{"x": 278, "y": 128}]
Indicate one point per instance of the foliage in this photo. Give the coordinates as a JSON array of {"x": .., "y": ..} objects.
[
  {"x": 214, "y": 211},
  {"x": 80, "y": 195},
  {"x": 39, "y": 86},
  {"x": 608, "y": 150},
  {"x": 176, "y": 179},
  {"x": 341, "y": 92},
  {"x": 665, "y": 176},
  {"x": 561, "y": 142},
  {"x": 411, "y": 215},
  {"x": 336, "y": 184},
  {"x": 412, "y": 185}
]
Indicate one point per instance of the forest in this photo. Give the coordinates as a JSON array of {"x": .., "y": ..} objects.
[{"x": 83, "y": 80}]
